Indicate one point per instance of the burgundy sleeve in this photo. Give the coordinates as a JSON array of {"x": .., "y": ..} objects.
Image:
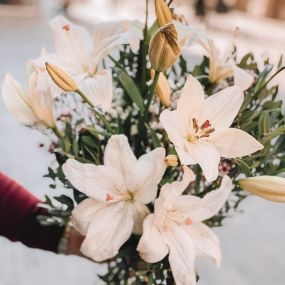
[{"x": 18, "y": 222}]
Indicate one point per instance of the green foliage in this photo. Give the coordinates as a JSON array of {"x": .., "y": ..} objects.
[{"x": 260, "y": 115}]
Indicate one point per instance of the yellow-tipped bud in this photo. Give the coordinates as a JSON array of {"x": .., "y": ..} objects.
[
  {"x": 61, "y": 78},
  {"x": 171, "y": 160},
  {"x": 163, "y": 48},
  {"x": 163, "y": 13},
  {"x": 162, "y": 88},
  {"x": 268, "y": 187}
]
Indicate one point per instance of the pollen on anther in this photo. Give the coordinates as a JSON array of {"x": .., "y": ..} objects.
[
  {"x": 109, "y": 198},
  {"x": 66, "y": 27},
  {"x": 188, "y": 221},
  {"x": 206, "y": 125}
]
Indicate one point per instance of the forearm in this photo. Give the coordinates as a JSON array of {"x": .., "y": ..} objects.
[{"x": 18, "y": 222}]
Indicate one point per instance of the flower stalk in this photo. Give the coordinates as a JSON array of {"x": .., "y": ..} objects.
[
  {"x": 97, "y": 113},
  {"x": 150, "y": 94}
]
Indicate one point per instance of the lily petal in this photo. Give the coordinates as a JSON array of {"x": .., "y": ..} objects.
[
  {"x": 221, "y": 108},
  {"x": 176, "y": 188},
  {"x": 181, "y": 255},
  {"x": 95, "y": 181},
  {"x": 183, "y": 154},
  {"x": 73, "y": 43},
  {"x": 151, "y": 247},
  {"x": 242, "y": 78},
  {"x": 213, "y": 202},
  {"x": 98, "y": 89},
  {"x": 175, "y": 123},
  {"x": 146, "y": 175},
  {"x": 205, "y": 241},
  {"x": 41, "y": 96},
  {"x": 198, "y": 209},
  {"x": 192, "y": 97},
  {"x": 109, "y": 229},
  {"x": 17, "y": 102},
  {"x": 84, "y": 212},
  {"x": 119, "y": 155},
  {"x": 231, "y": 143},
  {"x": 129, "y": 29},
  {"x": 140, "y": 212},
  {"x": 207, "y": 156},
  {"x": 108, "y": 45}
]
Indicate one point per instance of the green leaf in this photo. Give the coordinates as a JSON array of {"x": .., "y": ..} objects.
[
  {"x": 244, "y": 167},
  {"x": 264, "y": 122},
  {"x": 48, "y": 201},
  {"x": 51, "y": 174},
  {"x": 88, "y": 141},
  {"x": 93, "y": 131},
  {"x": 66, "y": 201},
  {"x": 155, "y": 139},
  {"x": 75, "y": 148},
  {"x": 131, "y": 89},
  {"x": 245, "y": 60},
  {"x": 279, "y": 131}
]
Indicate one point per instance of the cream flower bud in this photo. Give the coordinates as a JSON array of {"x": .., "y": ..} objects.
[
  {"x": 162, "y": 88},
  {"x": 163, "y": 48},
  {"x": 61, "y": 78},
  {"x": 34, "y": 107},
  {"x": 163, "y": 13},
  {"x": 268, "y": 187},
  {"x": 171, "y": 160}
]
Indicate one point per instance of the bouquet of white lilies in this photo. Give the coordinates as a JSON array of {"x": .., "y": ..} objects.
[{"x": 154, "y": 153}]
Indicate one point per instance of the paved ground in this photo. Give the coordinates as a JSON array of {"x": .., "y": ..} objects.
[{"x": 253, "y": 242}]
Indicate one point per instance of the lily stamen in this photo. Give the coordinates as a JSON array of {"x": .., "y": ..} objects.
[
  {"x": 202, "y": 131},
  {"x": 205, "y": 125},
  {"x": 195, "y": 125},
  {"x": 109, "y": 198},
  {"x": 66, "y": 27},
  {"x": 188, "y": 221}
]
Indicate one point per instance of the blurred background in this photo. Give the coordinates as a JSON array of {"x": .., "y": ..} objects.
[{"x": 253, "y": 240}]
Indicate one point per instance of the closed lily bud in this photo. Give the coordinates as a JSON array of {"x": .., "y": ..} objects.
[
  {"x": 268, "y": 187},
  {"x": 163, "y": 13},
  {"x": 162, "y": 88},
  {"x": 34, "y": 107},
  {"x": 163, "y": 48},
  {"x": 171, "y": 160},
  {"x": 61, "y": 78}
]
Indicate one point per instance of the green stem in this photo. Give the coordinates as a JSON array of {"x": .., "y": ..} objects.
[
  {"x": 61, "y": 137},
  {"x": 98, "y": 114},
  {"x": 118, "y": 64},
  {"x": 143, "y": 52},
  {"x": 146, "y": 19},
  {"x": 58, "y": 133},
  {"x": 150, "y": 94},
  {"x": 82, "y": 95}
]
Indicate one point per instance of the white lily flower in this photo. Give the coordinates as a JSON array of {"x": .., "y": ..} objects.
[
  {"x": 221, "y": 68},
  {"x": 268, "y": 187},
  {"x": 81, "y": 55},
  {"x": 34, "y": 107},
  {"x": 200, "y": 128},
  {"x": 118, "y": 192},
  {"x": 189, "y": 34},
  {"x": 176, "y": 228},
  {"x": 39, "y": 65}
]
